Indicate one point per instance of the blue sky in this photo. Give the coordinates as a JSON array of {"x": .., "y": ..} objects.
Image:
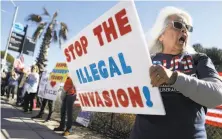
[{"x": 206, "y": 16}]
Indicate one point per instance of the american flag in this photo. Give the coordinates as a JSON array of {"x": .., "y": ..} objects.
[
  {"x": 214, "y": 116},
  {"x": 21, "y": 57},
  {"x": 19, "y": 62}
]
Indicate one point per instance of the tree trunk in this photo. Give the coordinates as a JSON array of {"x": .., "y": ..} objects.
[{"x": 42, "y": 60}]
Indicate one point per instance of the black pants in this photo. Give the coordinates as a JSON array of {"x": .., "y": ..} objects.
[
  {"x": 19, "y": 95},
  {"x": 50, "y": 106},
  {"x": 3, "y": 85},
  {"x": 28, "y": 101},
  {"x": 12, "y": 89},
  {"x": 39, "y": 102},
  {"x": 67, "y": 108}
]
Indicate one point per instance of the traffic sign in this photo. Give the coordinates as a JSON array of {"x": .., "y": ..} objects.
[
  {"x": 18, "y": 27},
  {"x": 29, "y": 47},
  {"x": 15, "y": 43}
]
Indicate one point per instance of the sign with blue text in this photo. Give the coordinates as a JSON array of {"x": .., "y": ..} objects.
[{"x": 109, "y": 63}]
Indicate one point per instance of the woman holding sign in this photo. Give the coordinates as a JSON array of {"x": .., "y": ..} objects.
[
  {"x": 67, "y": 107},
  {"x": 188, "y": 81},
  {"x": 30, "y": 88}
]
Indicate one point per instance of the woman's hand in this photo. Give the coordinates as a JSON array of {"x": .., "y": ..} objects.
[{"x": 160, "y": 75}]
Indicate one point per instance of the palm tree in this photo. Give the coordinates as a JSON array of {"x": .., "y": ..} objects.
[{"x": 51, "y": 33}]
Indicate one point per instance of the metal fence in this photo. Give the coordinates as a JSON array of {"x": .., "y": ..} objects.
[
  {"x": 118, "y": 126},
  {"x": 214, "y": 132},
  {"x": 114, "y": 126}
]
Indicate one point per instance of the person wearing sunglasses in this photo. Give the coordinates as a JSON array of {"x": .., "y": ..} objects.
[{"x": 187, "y": 80}]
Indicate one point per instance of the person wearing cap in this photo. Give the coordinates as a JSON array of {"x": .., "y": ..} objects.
[
  {"x": 67, "y": 107},
  {"x": 187, "y": 80}
]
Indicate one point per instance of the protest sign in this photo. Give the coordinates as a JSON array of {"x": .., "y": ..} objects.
[
  {"x": 49, "y": 88},
  {"x": 84, "y": 118},
  {"x": 42, "y": 84},
  {"x": 52, "y": 90},
  {"x": 109, "y": 63},
  {"x": 59, "y": 73}
]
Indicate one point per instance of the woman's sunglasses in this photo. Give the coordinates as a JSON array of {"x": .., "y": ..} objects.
[{"x": 179, "y": 25}]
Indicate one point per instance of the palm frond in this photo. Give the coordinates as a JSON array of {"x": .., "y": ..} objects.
[
  {"x": 63, "y": 32},
  {"x": 60, "y": 43},
  {"x": 54, "y": 16},
  {"x": 53, "y": 25},
  {"x": 38, "y": 31},
  {"x": 45, "y": 12},
  {"x": 64, "y": 25},
  {"x": 55, "y": 37},
  {"x": 34, "y": 18}
]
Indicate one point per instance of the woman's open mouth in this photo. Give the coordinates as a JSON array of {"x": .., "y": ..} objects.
[{"x": 182, "y": 39}]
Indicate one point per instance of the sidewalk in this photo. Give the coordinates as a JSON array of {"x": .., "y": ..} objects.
[{"x": 16, "y": 124}]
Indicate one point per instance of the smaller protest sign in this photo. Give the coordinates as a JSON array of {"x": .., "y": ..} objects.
[
  {"x": 59, "y": 73},
  {"x": 51, "y": 90},
  {"x": 84, "y": 118},
  {"x": 42, "y": 84}
]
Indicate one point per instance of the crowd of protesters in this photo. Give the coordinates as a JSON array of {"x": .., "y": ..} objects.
[{"x": 21, "y": 87}]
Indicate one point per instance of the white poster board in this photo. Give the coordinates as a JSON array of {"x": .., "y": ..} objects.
[
  {"x": 42, "y": 84},
  {"x": 109, "y": 63},
  {"x": 52, "y": 90},
  {"x": 49, "y": 89}
]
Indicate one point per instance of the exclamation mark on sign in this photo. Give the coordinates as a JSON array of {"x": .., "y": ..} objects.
[{"x": 146, "y": 93}]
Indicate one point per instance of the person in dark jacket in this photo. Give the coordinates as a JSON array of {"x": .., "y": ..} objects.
[{"x": 188, "y": 81}]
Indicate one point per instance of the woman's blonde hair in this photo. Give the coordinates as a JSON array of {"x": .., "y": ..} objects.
[
  {"x": 159, "y": 27},
  {"x": 36, "y": 68}
]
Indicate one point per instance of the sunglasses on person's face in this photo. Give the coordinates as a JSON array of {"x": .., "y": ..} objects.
[{"x": 179, "y": 25}]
